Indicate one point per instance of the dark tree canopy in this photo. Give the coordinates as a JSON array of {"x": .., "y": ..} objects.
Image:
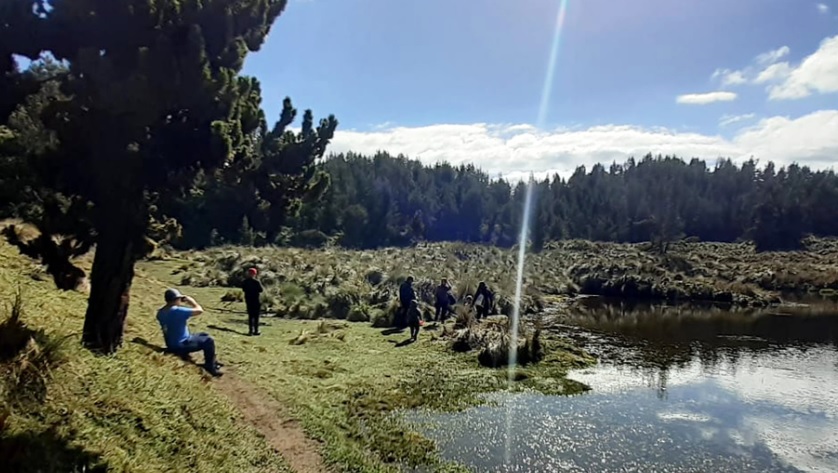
[
  {"x": 384, "y": 200},
  {"x": 149, "y": 98}
]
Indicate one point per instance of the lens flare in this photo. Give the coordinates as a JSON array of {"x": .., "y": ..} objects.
[{"x": 547, "y": 90}]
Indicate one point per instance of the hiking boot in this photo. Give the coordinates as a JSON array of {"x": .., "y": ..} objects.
[
  {"x": 257, "y": 333},
  {"x": 214, "y": 371}
]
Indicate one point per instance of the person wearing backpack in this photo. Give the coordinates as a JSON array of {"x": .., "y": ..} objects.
[{"x": 484, "y": 300}]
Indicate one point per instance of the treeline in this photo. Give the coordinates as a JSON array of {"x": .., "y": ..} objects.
[{"x": 384, "y": 200}]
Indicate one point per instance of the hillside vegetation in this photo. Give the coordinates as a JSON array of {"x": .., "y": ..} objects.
[
  {"x": 363, "y": 285},
  {"x": 143, "y": 411},
  {"x": 62, "y": 408}
]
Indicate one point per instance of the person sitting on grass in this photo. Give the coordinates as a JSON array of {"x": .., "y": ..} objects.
[
  {"x": 414, "y": 319},
  {"x": 173, "y": 318}
]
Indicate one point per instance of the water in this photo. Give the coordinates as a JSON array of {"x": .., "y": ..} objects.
[{"x": 677, "y": 390}]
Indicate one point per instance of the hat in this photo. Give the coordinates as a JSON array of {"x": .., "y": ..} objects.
[
  {"x": 252, "y": 271},
  {"x": 172, "y": 295}
]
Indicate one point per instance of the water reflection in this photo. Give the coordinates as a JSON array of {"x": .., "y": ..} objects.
[{"x": 683, "y": 390}]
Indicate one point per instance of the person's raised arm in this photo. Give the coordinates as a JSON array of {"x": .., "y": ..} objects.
[{"x": 195, "y": 308}]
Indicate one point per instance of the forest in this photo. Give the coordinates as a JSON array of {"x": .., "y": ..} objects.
[{"x": 384, "y": 200}]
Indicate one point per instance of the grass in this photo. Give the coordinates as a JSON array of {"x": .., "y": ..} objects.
[
  {"x": 310, "y": 284},
  {"x": 143, "y": 411},
  {"x": 137, "y": 411},
  {"x": 348, "y": 381}
]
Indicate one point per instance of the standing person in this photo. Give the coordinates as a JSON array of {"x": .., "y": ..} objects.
[
  {"x": 252, "y": 291},
  {"x": 406, "y": 296},
  {"x": 483, "y": 300},
  {"x": 442, "y": 303},
  {"x": 414, "y": 318},
  {"x": 173, "y": 318}
]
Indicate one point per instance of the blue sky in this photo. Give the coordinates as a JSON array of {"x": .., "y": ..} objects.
[
  {"x": 461, "y": 80},
  {"x": 415, "y": 63}
]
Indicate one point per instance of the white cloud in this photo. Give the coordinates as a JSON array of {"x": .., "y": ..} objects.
[
  {"x": 774, "y": 72},
  {"x": 729, "y": 77},
  {"x": 773, "y": 56},
  {"x": 818, "y": 73},
  {"x": 731, "y": 119},
  {"x": 706, "y": 98},
  {"x": 749, "y": 74},
  {"x": 822, "y": 8},
  {"x": 515, "y": 151}
]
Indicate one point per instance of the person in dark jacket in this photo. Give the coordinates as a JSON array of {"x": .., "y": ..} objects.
[
  {"x": 406, "y": 296},
  {"x": 252, "y": 291},
  {"x": 484, "y": 300},
  {"x": 442, "y": 302},
  {"x": 414, "y": 318}
]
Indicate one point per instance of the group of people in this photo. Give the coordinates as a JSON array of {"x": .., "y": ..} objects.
[
  {"x": 175, "y": 314},
  {"x": 482, "y": 301}
]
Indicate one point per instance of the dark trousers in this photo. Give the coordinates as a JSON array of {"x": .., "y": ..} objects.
[
  {"x": 442, "y": 311},
  {"x": 414, "y": 330},
  {"x": 400, "y": 320},
  {"x": 253, "y": 319},
  {"x": 199, "y": 342},
  {"x": 482, "y": 312}
]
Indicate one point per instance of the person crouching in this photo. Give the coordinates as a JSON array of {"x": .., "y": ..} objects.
[{"x": 174, "y": 317}]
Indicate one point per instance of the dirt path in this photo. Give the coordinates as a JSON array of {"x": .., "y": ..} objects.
[{"x": 266, "y": 415}]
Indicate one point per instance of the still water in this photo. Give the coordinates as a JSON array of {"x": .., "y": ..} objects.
[{"x": 676, "y": 390}]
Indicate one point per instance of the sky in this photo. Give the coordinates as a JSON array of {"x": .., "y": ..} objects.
[{"x": 543, "y": 86}]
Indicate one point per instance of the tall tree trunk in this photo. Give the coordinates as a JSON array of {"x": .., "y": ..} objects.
[{"x": 110, "y": 286}]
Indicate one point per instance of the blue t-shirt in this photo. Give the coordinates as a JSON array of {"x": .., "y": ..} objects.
[{"x": 173, "y": 322}]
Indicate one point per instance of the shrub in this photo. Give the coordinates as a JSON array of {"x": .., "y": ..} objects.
[
  {"x": 233, "y": 296},
  {"x": 310, "y": 239},
  {"x": 374, "y": 277},
  {"x": 359, "y": 313}
]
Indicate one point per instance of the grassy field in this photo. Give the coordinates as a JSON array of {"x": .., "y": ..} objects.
[
  {"x": 65, "y": 409},
  {"x": 361, "y": 285},
  {"x": 345, "y": 380}
]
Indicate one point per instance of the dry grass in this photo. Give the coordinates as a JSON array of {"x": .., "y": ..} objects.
[{"x": 310, "y": 284}]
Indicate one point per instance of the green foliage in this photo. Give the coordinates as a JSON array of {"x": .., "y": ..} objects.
[
  {"x": 141, "y": 114},
  {"x": 381, "y": 200}
]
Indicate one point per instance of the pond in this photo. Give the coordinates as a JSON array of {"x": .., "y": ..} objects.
[{"x": 677, "y": 389}]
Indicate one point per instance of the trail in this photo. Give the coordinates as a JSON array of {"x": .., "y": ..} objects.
[{"x": 266, "y": 414}]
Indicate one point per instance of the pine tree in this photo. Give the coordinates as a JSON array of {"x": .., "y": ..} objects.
[{"x": 153, "y": 95}]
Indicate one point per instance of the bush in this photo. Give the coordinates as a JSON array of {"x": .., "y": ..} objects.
[
  {"x": 374, "y": 277},
  {"x": 310, "y": 239},
  {"x": 340, "y": 303},
  {"x": 28, "y": 358},
  {"x": 359, "y": 313},
  {"x": 233, "y": 296},
  {"x": 380, "y": 318}
]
